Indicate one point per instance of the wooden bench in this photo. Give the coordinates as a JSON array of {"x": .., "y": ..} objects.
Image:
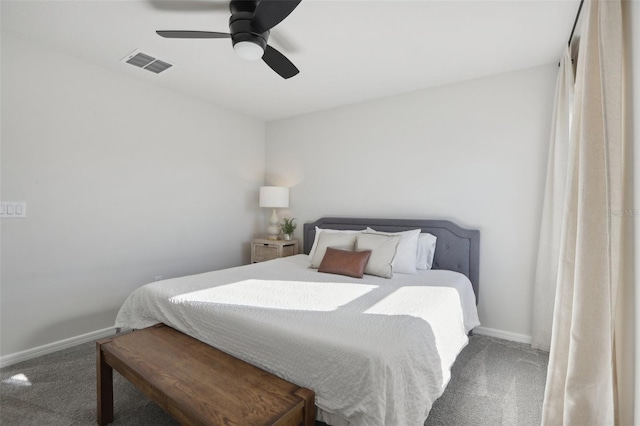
[{"x": 196, "y": 383}]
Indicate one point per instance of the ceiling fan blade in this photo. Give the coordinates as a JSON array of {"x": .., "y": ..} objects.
[
  {"x": 189, "y": 5},
  {"x": 279, "y": 63},
  {"x": 270, "y": 13},
  {"x": 192, "y": 34}
]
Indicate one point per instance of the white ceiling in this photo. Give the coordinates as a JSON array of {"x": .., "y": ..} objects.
[{"x": 347, "y": 51}]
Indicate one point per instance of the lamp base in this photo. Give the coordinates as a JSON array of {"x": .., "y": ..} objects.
[{"x": 274, "y": 226}]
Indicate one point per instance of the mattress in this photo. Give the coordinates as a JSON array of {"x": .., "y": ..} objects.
[{"x": 375, "y": 351}]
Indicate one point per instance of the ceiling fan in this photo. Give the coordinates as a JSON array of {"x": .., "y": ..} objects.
[{"x": 249, "y": 26}]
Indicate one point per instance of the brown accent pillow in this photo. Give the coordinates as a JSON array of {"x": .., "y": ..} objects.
[{"x": 343, "y": 262}]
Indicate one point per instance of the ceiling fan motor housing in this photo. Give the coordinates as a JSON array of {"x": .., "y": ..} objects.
[{"x": 240, "y": 24}]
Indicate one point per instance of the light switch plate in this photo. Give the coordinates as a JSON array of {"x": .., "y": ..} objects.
[{"x": 13, "y": 209}]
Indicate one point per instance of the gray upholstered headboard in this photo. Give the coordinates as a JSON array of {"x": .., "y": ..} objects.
[{"x": 457, "y": 249}]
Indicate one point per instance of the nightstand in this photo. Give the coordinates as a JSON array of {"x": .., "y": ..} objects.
[{"x": 263, "y": 249}]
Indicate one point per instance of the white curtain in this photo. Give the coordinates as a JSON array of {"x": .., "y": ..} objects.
[
  {"x": 581, "y": 380},
  {"x": 549, "y": 244}
]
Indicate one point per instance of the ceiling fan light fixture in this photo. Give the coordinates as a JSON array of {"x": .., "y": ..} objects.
[{"x": 248, "y": 50}]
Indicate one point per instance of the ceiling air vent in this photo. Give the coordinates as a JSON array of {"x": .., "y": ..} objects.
[{"x": 147, "y": 62}]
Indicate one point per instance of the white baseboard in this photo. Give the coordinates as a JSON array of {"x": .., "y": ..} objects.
[
  {"x": 25, "y": 355},
  {"x": 507, "y": 335}
]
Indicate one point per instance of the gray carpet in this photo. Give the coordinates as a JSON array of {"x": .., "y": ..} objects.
[{"x": 495, "y": 382}]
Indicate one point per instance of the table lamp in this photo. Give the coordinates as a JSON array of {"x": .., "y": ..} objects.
[{"x": 274, "y": 197}]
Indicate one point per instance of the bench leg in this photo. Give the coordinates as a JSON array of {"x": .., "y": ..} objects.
[
  {"x": 309, "y": 398},
  {"x": 104, "y": 388}
]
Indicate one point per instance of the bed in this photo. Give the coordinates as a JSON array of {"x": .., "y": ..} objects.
[{"x": 376, "y": 351}]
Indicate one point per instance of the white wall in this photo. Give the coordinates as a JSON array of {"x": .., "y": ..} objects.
[
  {"x": 632, "y": 18},
  {"x": 123, "y": 182},
  {"x": 473, "y": 152}
]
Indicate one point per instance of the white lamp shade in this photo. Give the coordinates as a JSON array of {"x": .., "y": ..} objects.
[{"x": 275, "y": 197}]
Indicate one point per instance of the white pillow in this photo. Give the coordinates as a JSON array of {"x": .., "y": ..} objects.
[
  {"x": 337, "y": 240},
  {"x": 321, "y": 230},
  {"x": 406, "y": 256},
  {"x": 426, "y": 250},
  {"x": 383, "y": 250}
]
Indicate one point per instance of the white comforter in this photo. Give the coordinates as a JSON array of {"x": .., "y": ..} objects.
[{"x": 376, "y": 351}]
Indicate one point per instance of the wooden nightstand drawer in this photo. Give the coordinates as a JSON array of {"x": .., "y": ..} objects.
[
  {"x": 262, "y": 249},
  {"x": 289, "y": 250},
  {"x": 262, "y": 252}
]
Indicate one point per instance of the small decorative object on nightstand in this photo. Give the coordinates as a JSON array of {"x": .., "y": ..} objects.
[
  {"x": 264, "y": 249},
  {"x": 288, "y": 226}
]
